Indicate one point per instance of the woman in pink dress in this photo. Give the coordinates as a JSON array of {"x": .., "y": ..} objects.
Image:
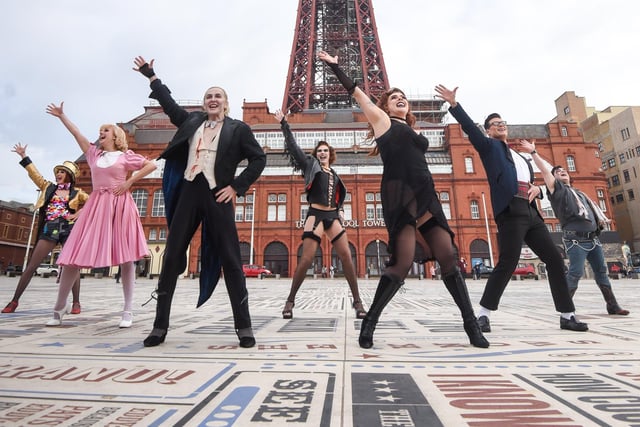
[{"x": 108, "y": 231}]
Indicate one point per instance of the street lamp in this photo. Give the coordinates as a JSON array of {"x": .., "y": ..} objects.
[
  {"x": 378, "y": 247},
  {"x": 253, "y": 220},
  {"x": 486, "y": 224},
  {"x": 33, "y": 220}
]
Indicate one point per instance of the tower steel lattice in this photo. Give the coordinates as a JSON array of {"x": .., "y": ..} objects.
[{"x": 345, "y": 28}]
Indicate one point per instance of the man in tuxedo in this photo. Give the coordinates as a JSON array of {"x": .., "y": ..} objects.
[{"x": 516, "y": 214}]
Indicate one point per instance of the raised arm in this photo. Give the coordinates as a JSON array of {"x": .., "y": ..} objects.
[
  {"x": 144, "y": 68},
  {"x": 161, "y": 93},
  {"x": 379, "y": 120},
  {"x": 543, "y": 165},
  {"x": 58, "y": 111},
  {"x": 20, "y": 149},
  {"x": 296, "y": 155}
]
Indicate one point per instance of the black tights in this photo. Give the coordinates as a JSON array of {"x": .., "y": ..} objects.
[{"x": 439, "y": 246}]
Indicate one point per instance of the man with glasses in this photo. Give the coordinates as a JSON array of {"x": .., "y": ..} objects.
[
  {"x": 516, "y": 214},
  {"x": 581, "y": 220}
]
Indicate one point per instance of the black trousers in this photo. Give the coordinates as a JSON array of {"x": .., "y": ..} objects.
[
  {"x": 521, "y": 223},
  {"x": 196, "y": 204}
]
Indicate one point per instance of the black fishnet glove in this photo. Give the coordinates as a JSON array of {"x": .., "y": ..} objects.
[
  {"x": 146, "y": 70},
  {"x": 348, "y": 84}
]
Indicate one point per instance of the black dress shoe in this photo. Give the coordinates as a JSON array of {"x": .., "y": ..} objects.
[
  {"x": 573, "y": 325},
  {"x": 156, "y": 337},
  {"x": 247, "y": 342},
  {"x": 483, "y": 322}
]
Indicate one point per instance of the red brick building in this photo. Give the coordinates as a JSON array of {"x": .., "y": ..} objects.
[{"x": 16, "y": 220}]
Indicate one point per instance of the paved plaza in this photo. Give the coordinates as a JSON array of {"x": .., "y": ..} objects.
[{"x": 310, "y": 370}]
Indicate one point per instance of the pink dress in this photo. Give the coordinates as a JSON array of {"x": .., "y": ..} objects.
[{"x": 108, "y": 231}]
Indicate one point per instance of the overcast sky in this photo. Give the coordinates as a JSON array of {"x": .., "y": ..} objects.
[{"x": 513, "y": 57}]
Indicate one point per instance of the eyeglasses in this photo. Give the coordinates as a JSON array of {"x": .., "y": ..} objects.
[{"x": 500, "y": 123}]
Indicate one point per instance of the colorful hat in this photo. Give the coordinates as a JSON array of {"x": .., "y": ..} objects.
[{"x": 69, "y": 167}]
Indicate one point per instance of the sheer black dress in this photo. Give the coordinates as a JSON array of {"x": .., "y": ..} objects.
[{"x": 407, "y": 187}]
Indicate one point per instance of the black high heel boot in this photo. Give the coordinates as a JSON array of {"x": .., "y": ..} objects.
[
  {"x": 387, "y": 288},
  {"x": 458, "y": 289}
]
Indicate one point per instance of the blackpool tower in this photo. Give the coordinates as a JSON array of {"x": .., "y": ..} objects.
[{"x": 345, "y": 28}]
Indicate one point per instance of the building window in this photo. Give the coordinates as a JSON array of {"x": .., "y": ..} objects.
[
  {"x": 601, "y": 200},
  {"x": 163, "y": 234},
  {"x": 549, "y": 227},
  {"x": 571, "y": 163},
  {"x": 619, "y": 198},
  {"x": 622, "y": 158},
  {"x": 157, "y": 209},
  {"x": 547, "y": 212},
  {"x": 563, "y": 131},
  {"x": 630, "y": 195},
  {"x": 468, "y": 164},
  {"x": 615, "y": 180},
  {"x": 346, "y": 207},
  {"x": 444, "y": 201},
  {"x": 244, "y": 208},
  {"x": 153, "y": 235},
  {"x": 141, "y": 198},
  {"x": 566, "y": 110},
  {"x": 611, "y": 162},
  {"x": 475, "y": 210},
  {"x": 277, "y": 207},
  {"x": 625, "y": 134},
  {"x": 626, "y": 176},
  {"x": 373, "y": 209},
  {"x": 558, "y": 227}
]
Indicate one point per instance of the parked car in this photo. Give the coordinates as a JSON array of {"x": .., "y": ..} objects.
[
  {"x": 14, "y": 269},
  {"x": 255, "y": 271},
  {"x": 485, "y": 271},
  {"x": 525, "y": 270},
  {"x": 48, "y": 269}
]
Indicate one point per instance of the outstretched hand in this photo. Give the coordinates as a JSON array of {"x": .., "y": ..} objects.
[
  {"x": 144, "y": 68},
  {"x": 279, "y": 115},
  {"x": 55, "y": 110},
  {"x": 446, "y": 94},
  {"x": 20, "y": 149},
  {"x": 324, "y": 56},
  {"x": 528, "y": 147}
]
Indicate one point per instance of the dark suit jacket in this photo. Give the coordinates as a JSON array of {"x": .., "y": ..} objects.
[
  {"x": 235, "y": 144},
  {"x": 500, "y": 169}
]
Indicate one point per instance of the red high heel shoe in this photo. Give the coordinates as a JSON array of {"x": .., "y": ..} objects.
[{"x": 11, "y": 307}]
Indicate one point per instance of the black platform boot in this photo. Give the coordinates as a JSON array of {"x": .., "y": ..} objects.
[
  {"x": 458, "y": 289},
  {"x": 387, "y": 288},
  {"x": 612, "y": 304}
]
